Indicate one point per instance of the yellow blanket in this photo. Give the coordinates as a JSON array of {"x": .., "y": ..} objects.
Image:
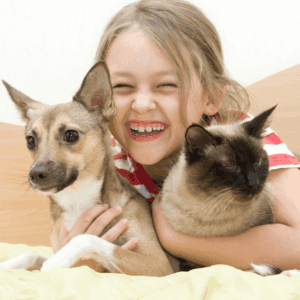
[{"x": 217, "y": 282}]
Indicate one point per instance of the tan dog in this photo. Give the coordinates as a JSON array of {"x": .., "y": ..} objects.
[{"x": 73, "y": 165}]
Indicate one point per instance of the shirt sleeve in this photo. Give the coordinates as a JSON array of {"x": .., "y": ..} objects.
[{"x": 280, "y": 156}]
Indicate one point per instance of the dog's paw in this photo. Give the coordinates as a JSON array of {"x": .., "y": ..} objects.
[
  {"x": 27, "y": 261},
  {"x": 61, "y": 259},
  {"x": 78, "y": 247},
  {"x": 291, "y": 273},
  {"x": 69, "y": 254}
]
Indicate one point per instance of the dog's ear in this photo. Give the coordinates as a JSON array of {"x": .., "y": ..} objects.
[
  {"x": 25, "y": 105},
  {"x": 95, "y": 92}
]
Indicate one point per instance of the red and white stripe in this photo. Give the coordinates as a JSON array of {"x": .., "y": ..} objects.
[{"x": 280, "y": 156}]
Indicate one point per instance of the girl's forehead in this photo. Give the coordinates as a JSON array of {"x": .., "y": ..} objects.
[{"x": 133, "y": 48}]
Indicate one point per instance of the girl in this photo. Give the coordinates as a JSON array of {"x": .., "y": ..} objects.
[{"x": 166, "y": 66}]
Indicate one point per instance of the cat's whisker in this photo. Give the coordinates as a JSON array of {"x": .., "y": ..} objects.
[
  {"x": 207, "y": 213},
  {"x": 211, "y": 206},
  {"x": 213, "y": 196},
  {"x": 226, "y": 194},
  {"x": 218, "y": 210},
  {"x": 223, "y": 210},
  {"x": 270, "y": 200}
]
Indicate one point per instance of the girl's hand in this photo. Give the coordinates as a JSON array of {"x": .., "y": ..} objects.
[{"x": 93, "y": 221}]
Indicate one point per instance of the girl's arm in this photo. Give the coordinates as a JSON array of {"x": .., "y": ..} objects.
[{"x": 277, "y": 244}]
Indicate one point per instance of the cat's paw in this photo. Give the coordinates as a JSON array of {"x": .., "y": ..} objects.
[
  {"x": 27, "y": 261},
  {"x": 291, "y": 273}
]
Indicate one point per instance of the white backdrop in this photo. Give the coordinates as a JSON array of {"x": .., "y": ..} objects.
[{"x": 46, "y": 47}]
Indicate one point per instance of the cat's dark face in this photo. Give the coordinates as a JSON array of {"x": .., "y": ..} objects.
[{"x": 228, "y": 156}]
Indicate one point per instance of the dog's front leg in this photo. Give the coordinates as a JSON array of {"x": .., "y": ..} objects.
[
  {"x": 102, "y": 256},
  {"x": 77, "y": 248},
  {"x": 27, "y": 261}
]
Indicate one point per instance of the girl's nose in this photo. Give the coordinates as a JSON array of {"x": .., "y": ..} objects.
[{"x": 143, "y": 103}]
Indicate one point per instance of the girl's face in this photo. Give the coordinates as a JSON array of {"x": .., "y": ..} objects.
[{"x": 147, "y": 98}]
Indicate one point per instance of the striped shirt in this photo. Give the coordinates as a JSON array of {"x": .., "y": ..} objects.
[{"x": 279, "y": 157}]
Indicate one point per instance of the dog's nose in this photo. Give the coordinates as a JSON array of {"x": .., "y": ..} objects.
[{"x": 38, "y": 174}]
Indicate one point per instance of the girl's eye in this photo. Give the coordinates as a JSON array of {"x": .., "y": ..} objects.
[
  {"x": 168, "y": 84},
  {"x": 121, "y": 85}
]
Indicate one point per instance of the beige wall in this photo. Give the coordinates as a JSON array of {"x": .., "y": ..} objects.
[{"x": 283, "y": 89}]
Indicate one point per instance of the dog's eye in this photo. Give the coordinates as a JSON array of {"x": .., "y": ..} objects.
[
  {"x": 71, "y": 136},
  {"x": 30, "y": 142}
]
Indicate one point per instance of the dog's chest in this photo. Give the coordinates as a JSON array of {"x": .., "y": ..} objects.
[{"x": 75, "y": 200}]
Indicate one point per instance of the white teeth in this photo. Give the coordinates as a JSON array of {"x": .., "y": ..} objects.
[{"x": 147, "y": 129}]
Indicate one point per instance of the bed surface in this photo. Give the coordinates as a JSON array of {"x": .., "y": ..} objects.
[{"x": 218, "y": 282}]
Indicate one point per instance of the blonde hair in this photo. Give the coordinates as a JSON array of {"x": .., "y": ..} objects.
[{"x": 181, "y": 31}]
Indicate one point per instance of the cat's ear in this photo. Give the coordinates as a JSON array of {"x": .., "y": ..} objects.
[
  {"x": 197, "y": 138},
  {"x": 257, "y": 126}
]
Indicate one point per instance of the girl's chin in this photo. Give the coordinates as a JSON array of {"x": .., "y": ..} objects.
[
  {"x": 151, "y": 155},
  {"x": 148, "y": 158}
]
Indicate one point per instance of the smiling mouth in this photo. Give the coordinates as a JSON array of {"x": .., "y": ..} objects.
[
  {"x": 143, "y": 132},
  {"x": 146, "y": 128}
]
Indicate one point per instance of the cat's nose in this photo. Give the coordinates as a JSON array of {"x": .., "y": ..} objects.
[{"x": 253, "y": 180}]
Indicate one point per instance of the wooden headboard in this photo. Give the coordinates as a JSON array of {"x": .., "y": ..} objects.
[{"x": 24, "y": 213}]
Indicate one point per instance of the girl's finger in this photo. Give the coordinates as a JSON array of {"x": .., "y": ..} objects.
[
  {"x": 86, "y": 219},
  {"x": 131, "y": 244},
  {"x": 63, "y": 232},
  {"x": 63, "y": 236},
  {"x": 112, "y": 234},
  {"x": 103, "y": 220}
]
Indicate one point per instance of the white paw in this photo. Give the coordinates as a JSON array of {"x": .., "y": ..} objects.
[
  {"x": 61, "y": 259},
  {"x": 291, "y": 273},
  {"x": 76, "y": 248},
  {"x": 27, "y": 261},
  {"x": 70, "y": 254}
]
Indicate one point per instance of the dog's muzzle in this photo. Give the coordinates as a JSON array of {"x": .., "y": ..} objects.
[{"x": 51, "y": 176}]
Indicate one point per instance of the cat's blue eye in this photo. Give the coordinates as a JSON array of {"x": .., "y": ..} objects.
[
  {"x": 257, "y": 164},
  {"x": 233, "y": 168}
]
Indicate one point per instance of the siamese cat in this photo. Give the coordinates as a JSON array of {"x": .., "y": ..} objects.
[{"x": 219, "y": 185}]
